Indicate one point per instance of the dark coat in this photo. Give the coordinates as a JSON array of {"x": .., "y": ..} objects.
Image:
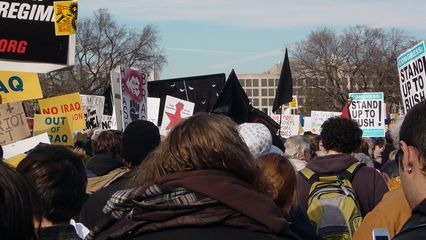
[
  {"x": 368, "y": 183},
  {"x": 415, "y": 227}
]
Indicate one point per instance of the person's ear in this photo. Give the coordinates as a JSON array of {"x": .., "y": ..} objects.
[{"x": 407, "y": 161}]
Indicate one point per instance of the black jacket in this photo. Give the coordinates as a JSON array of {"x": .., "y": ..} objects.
[{"x": 415, "y": 227}]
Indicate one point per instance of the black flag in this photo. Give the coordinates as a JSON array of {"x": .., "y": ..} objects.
[
  {"x": 284, "y": 93},
  {"x": 257, "y": 116},
  {"x": 233, "y": 101}
]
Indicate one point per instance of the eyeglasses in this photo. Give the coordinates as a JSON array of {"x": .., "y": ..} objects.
[{"x": 398, "y": 156}]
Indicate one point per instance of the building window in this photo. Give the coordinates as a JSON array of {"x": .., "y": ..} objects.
[
  {"x": 255, "y": 102},
  {"x": 271, "y": 102},
  {"x": 264, "y": 92},
  {"x": 248, "y": 91},
  {"x": 255, "y": 92},
  {"x": 265, "y": 110},
  {"x": 248, "y": 82},
  {"x": 271, "y": 92},
  {"x": 242, "y": 82},
  {"x": 264, "y": 102},
  {"x": 255, "y": 82},
  {"x": 271, "y": 82},
  {"x": 276, "y": 82},
  {"x": 264, "y": 82}
]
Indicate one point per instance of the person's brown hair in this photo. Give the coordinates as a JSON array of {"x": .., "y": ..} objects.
[
  {"x": 281, "y": 174},
  {"x": 108, "y": 141},
  {"x": 203, "y": 141}
]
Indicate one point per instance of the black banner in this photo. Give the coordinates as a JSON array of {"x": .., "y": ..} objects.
[
  {"x": 201, "y": 90},
  {"x": 27, "y": 33}
]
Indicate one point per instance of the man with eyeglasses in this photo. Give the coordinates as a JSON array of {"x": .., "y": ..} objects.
[{"x": 411, "y": 160}]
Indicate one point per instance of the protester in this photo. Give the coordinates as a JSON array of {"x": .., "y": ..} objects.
[
  {"x": 313, "y": 140},
  {"x": 340, "y": 137},
  {"x": 139, "y": 139},
  {"x": 412, "y": 170},
  {"x": 202, "y": 182},
  {"x": 282, "y": 176},
  {"x": 298, "y": 151},
  {"x": 16, "y": 215},
  {"x": 58, "y": 179},
  {"x": 106, "y": 164},
  {"x": 258, "y": 139}
]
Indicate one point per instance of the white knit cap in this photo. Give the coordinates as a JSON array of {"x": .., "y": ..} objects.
[{"x": 257, "y": 137}]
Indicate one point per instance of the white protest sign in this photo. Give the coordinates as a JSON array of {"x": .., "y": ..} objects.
[
  {"x": 290, "y": 124},
  {"x": 319, "y": 117},
  {"x": 153, "y": 109},
  {"x": 307, "y": 125},
  {"x": 25, "y": 145},
  {"x": 93, "y": 108},
  {"x": 117, "y": 98},
  {"x": 412, "y": 75},
  {"x": 175, "y": 110},
  {"x": 108, "y": 122},
  {"x": 13, "y": 123},
  {"x": 368, "y": 110}
]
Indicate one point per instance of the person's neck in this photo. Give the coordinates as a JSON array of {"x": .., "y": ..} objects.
[
  {"x": 332, "y": 152},
  {"x": 44, "y": 223}
]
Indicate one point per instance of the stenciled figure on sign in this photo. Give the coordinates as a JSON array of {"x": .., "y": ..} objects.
[{"x": 133, "y": 88}]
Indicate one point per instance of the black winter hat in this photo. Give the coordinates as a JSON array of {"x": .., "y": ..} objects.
[{"x": 139, "y": 139}]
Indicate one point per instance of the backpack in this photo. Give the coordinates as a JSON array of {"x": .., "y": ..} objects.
[{"x": 333, "y": 207}]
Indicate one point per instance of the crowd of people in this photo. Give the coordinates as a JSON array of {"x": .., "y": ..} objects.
[{"x": 213, "y": 179}]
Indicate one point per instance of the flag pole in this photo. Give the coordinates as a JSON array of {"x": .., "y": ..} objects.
[{"x": 281, "y": 118}]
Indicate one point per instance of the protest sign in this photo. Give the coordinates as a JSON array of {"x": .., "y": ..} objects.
[
  {"x": 307, "y": 125},
  {"x": 24, "y": 146},
  {"x": 412, "y": 75},
  {"x": 175, "y": 110},
  {"x": 56, "y": 126},
  {"x": 93, "y": 108},
  {"x": 19, "y": 86},
  {"x": 68, "y": 105},
  {"x": 130, "y": 94},
  {"x": 28, "y": 42},
  {"x": 293, "y": 104},
  {"x": 65, "y": 17},
  {"x": 369, "y": 111},
  {"x": 319, "y": 117},
  {"x": 153, "y": 109},
  {"x": 290, "y": 124},
  {"x": 108, "y": 122},
  {"x": 13, "y": 124}
]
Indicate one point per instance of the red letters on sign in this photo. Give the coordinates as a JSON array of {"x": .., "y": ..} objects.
[{"x": 13, "y": 46}]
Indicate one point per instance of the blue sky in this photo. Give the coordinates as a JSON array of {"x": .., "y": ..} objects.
[{"x": 213, "y": 36}]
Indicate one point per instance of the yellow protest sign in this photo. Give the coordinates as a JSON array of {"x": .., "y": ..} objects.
[
  {"x": 293, "y": 103},
  {"x": 68, "y": 105},
  {"x": 56, "y": 126},
  {"x": 65, "y": 17},
  {"x": 13, "y": 123},
  {"x": 19, "y": 86}
]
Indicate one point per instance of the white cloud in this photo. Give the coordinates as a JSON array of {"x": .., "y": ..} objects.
[{"x": 270, "y": 13}]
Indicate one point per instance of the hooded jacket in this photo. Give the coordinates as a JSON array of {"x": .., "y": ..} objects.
[
  {"x": 368, "y": 183},
  {"x": 226, "y": 207},
  {"x": 415, "y": 227}
]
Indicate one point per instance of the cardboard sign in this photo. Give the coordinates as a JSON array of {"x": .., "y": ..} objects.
[
  {"x": 28, "y": 42},
  {"x": 18, "y": 86},
  {"x": 319, "y": 117},
  {"x": 412, "y": 76},
  {"x": 93, "y": 108},
  {"x": 13, "y": 123},
  {"x": 56, "y": 126},
  {"x": 307, "y": 125},
  {"x": 116, "y": 98},
  {"x": 293, "y": 104},
  {"x": 108, "y": 122},
  {"x": 153, "y": 109},
  {"x": 175, "y": 110},
  {"x": 24, "y": 146},
  {"x": 65, "y": 17},
  {"x": 369, "y": 111},
  {"x": 66, "y": 105},
  {"x": 290, "y": 124}
]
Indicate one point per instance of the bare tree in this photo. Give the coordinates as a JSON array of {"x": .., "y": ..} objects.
[
  {"x": 103, "y": 45},
  {"x": 359, "y": 59}
]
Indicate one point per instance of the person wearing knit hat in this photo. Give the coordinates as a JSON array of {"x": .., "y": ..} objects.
[
  {"x": 139, "y": 139},
  {"x": 258, "y": 139}
]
